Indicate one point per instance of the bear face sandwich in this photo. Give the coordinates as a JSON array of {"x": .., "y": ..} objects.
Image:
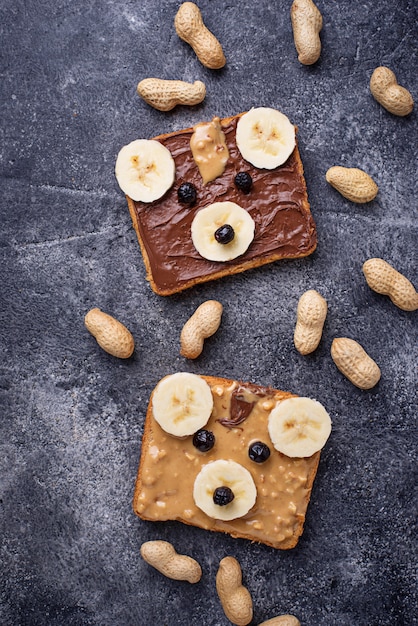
[
  {"x": 230, "y": 456},
  {"x": 219, "y": 198}
]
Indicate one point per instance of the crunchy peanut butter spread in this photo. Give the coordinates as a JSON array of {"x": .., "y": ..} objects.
[
  {"x": 209, "y": 149},
  {"x": 169, "y": 466}
]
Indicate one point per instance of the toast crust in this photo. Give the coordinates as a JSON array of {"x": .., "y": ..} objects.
[
  {"x": 168, "y": 467},
  {"x": 278, "y": 203}
]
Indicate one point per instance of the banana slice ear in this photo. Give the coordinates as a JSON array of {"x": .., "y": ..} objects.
[
  {"x": 224, "y": 490},
  {"x": 299, "y": 427},
  {"x": 145, "y": 170},
  {"x": 208, "y": 223},
  {"x": 182, "y": 403},
  {"x": 265, "y": 137}
]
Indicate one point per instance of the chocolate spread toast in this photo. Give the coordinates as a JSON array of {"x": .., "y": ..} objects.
[{"x": 277, "y": 202}]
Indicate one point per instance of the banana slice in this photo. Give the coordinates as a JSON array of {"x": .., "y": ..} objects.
[
  {"x": 265, "y": 137},
  {"x": 299, "y": 427},
  {"x": 214, "y": 245},
  {"x": 219, "y": 478},
  {"x": 145, "y": 170},
  {"x": 182, "y": 403}
]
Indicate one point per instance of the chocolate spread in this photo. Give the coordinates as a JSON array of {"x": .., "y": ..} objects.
[
  {"x": 277, "y": 202},
  {"x": 169, "y": 466},
  {"x": 239, "y": 408}
]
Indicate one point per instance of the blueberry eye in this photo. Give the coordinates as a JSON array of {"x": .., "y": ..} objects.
[
  {"x": 203, "y": 440},
  {"x": 187, "y": 193},
  {"x": 258, "y": 452},
  {"x": 224, "y": 234},
  {"x": 243, "y": 181},
  {"x": 223, "y": 496}
]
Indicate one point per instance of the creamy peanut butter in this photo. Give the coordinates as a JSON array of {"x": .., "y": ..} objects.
[
  {"x": 169, "y": 466},
  {"x": 209, "y": 149}
]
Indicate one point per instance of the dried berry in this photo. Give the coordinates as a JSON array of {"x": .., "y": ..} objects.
[
  {"x": 258, "y": 452},
  {"x": 244, "y": 182},
  {"x": 223, "y": 496},
  {"x": 224, "y": 234},
  {"x": 187, "y": 193},
  {"x": 203, "y": 440}
]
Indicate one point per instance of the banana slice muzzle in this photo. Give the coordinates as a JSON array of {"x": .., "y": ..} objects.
[
  {"x": 224, "y": 490},
  {"x": 222, "y": 231}
]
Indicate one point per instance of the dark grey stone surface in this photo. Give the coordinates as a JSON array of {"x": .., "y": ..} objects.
[{"x": 72, "y": 416}]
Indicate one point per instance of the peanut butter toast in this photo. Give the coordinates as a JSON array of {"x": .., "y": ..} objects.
[{"x": 210, "y": 457}]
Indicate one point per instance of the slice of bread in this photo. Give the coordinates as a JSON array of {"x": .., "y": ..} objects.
[
  {"x": 277, "y": 202},
  {"x": 169, "y": 466}
]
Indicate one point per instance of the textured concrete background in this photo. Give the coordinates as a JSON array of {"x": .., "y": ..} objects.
[{"x": 72, "y": 416}]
